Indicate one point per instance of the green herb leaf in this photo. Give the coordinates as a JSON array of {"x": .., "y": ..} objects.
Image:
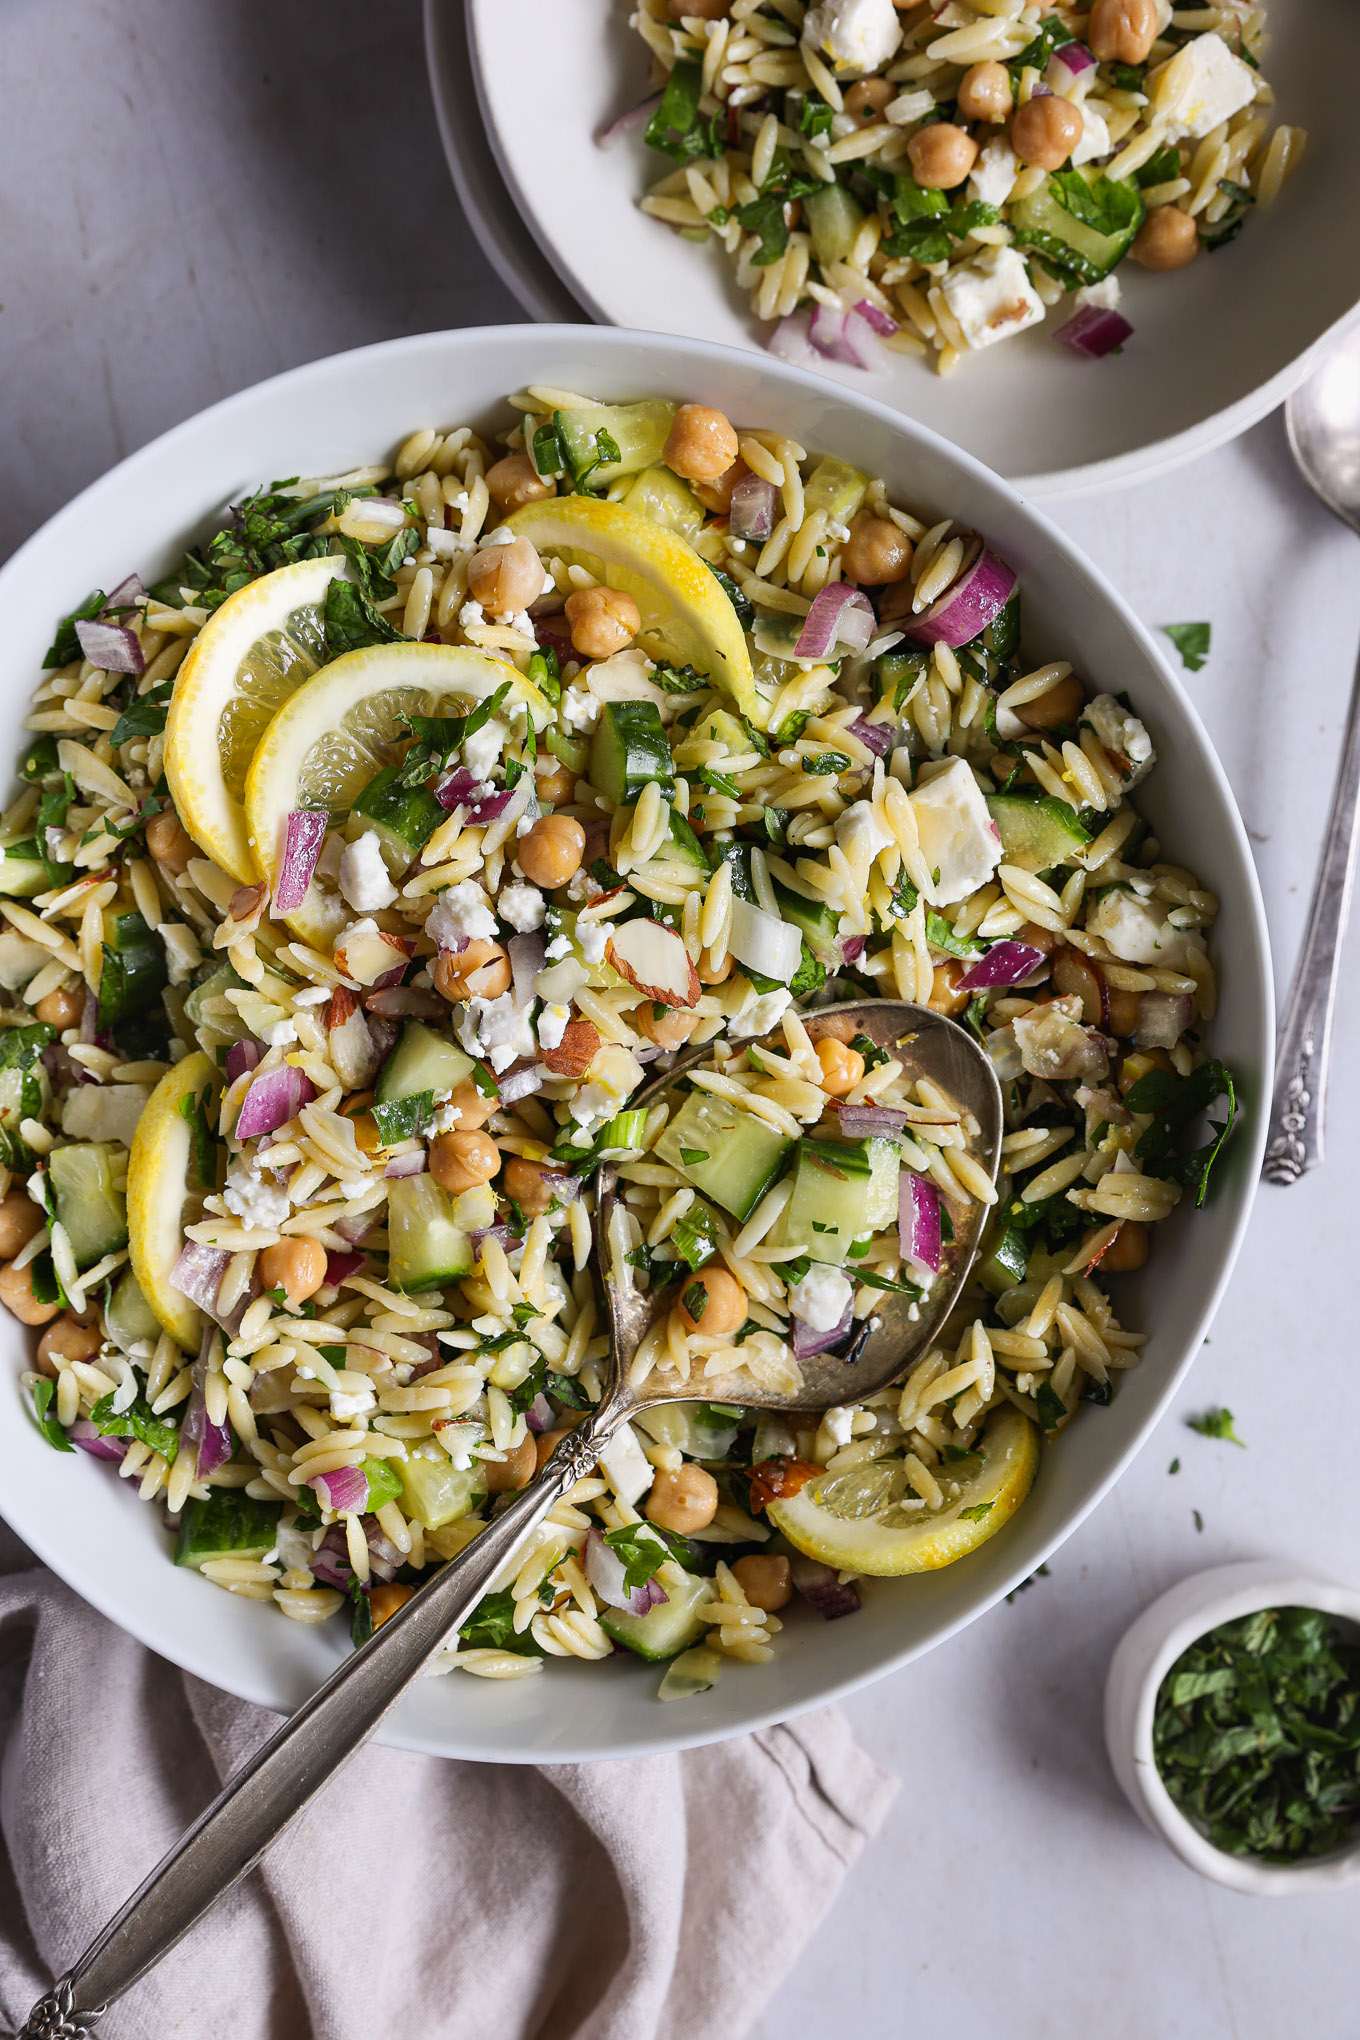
[
  {"x": 978, "y": 1513},
  {"x": 133, "y": 974},
  {"x": 352, "y": 623},
  {"x": 567, "y": 1390},
  {"x": 677, "y": 129},
  {"x": 823, "y": 763},
  {"x": 691, "y": 1157},
  {"x": 44, "y": 1391},
  {"x": 1176, "y": 1102},
  {"x": 65, "y": 646},
  {"x": 940, "y": 935},
  {"x": 438, "y": 738},
  {"x": 1191, "y": 641},
  {"x": 136, "y": 1422},
  {"x": 203, "y": 1141},
  {"x": 1108, "y": 205},
  {"x": 745, "y": 609},
  {"x": 1216, "y": 1423},
  {"x": 643, "y": 1548},
  {"x": 491, "y": 1626},
  {"x": 1049, "y": 1406},
  {"x": 144, "y": 717}
]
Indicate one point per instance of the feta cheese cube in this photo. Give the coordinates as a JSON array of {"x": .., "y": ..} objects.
[
  {"x": 1138, "y": 931},
  {"x": 461, "y": 914},
  {"x": 958, "y": 837},
  {"x": 498, "y": 1029},
  {"x": 861, "y": 835},
  {"x": 625, "y": 1466},
  {"x": 821, "y": 1299},
  {"x": 994, "y": 172},
  {"x": 522, "y": 906},
  {"x": 860, "y": 35},
  {"x": 485, "y": 747},
  {"x": 992, "y": 297},
  {"x": 364, "y": 882},
  {"x": 552, "y": 1025},
  {"x": 1095, "y": 137},
  {"x": 1201, "y": 86},
  {"x": 762, "y": 1011},
  {"x": 1122, "y": 734}
]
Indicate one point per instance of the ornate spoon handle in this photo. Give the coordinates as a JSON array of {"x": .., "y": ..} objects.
[
  {"x": 1296, "y": 1114},
  {"x": 287, "y": 1771}
]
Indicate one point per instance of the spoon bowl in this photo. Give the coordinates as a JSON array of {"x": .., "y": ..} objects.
[{"x": 1323, "y": 421}]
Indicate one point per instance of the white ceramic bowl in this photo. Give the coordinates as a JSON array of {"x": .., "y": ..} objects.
[
  {"x": 1215, "y": 347},
  {"x": 356, "y": 407},
  {"x": 1144, "y": 1657}
]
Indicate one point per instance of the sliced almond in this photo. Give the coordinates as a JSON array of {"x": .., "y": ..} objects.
[
  {"x": 370, "y": 956},
  {"x": 654, "y": 958},
  {"x": 575, "y": 1052}
]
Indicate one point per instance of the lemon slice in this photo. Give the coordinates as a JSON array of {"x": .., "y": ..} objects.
[
  {"x": 260, "y": 646},
  {"x": 855, "y": 1520},
  {"x": 345, "y": 725},
  {"x": 160, "y": 1168},
  {"x": 687, "y": 620}
]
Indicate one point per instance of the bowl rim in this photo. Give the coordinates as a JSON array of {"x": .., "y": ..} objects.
[
  {"x": 1145, "y": 1654},
  {"x": 250, "y": 1681}
]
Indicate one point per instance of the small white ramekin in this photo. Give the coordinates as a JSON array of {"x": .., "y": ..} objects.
[{"x": 1142, "y": 1660}]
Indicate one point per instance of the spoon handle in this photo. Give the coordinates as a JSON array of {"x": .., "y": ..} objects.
[
  {"x": 286, "y": 1772},
  {"x": 1296, "y": 1115}
]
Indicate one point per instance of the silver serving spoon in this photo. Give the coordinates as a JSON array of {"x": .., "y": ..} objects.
[
  {"x": 1323, "y": 420},
  {"x": 287, "y": 1771}
]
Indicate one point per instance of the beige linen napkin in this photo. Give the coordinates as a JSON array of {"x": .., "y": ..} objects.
[{"x": 649, "y": 1899}]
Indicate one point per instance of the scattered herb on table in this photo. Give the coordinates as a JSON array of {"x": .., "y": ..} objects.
[
  {"x": 1257, "y": 1734},
  {"x": 1191, "y": 641},
  {"x": 1216, "y": 1424}
]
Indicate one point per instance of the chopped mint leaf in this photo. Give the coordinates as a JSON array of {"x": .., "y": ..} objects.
[
  {"x": 1216, "y": 1423},
  {"x": 1191, "y": 641}
]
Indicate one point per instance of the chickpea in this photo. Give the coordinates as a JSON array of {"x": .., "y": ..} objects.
[
  {"x": 384, "y": 1599},
  {"x": 515, "y": 481},
  {"x": 985, "y": 92},
  {"x": 603, "y": 621},
  {"x": 1045, "y": 131},
  {"x": 554, "y": 782},
  {"x": 716, "y": 495},
  {"x": 1127, "y": 1250},
  {"x": 169, "y": 842},
  {"x": 707, "y": 10},
  {"x": 516, "y": 1470},
  {"x": 1063, "y": 703},
  {"x": 1167, "y": 239},
  {"x": 482, "y": 969},
  {"x": 842, "y": 1066},
  {"x": 702, "y": 444},
  {"x": 1035, "y": 937},
  {"x": 472, "y": 1108},
  {"x": 766, "y": 1580},
  {"x": 20, "y": 1218},
  {"x": 62, "y": 1008},
  {"x": 876, "y": 551},
  {"x": 667, "y": 1026},
  {"x": 942, "y": 155},
  {"x": 505, "y": 578},
  {"x": 1121, "y": 1011},
  {"x": 867, "y": 99},
  {"x": 523, "y": 1183},
  {"x": 711, "y": 973},
  {"x": 16, "y": 1293},
  {"x": 67, "y": 1339},
  {"x": 683, "y": 1501},
  {"x": 724, "y": 1306},
  {"x": 460, "y": 1161},
  {"x": 551, "y": 852},
  {"x": 1122, "y": 31},
  {"x": 297, "y": 1267},
  {"x": 945, "y": 997},
  {"x": 545, "y": 1444}
]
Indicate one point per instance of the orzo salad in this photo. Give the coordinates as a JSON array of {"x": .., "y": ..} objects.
[
  {"x": 366, "y": 867},
  {"x": 931, "y": 179}
]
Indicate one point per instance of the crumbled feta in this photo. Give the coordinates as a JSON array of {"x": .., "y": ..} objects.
[
  {"x": 1095, "y": 137},
  {"x": 994, "y": 172},
  {"x": 861, "y": 35},
  {"x": 761, "y": 1012},
  {"x": 364, "y": 882},
  {"x": 461, "y": 914},
  {"x": 592, "y": 938},
  {"x": 502, "y": 535},
  {"x": 558, "y": 947},
  {"x": 471, "y": 616},
  {"x": 520, "y": 620},
  {"x": 1123, "y": 734},
  {"x": 821, "y": 1298},
  {"x": 838, "y": 1421},
  {"x": 992, "y": 297},
  {"x": 578, "y": 709},
  {"x": 352, "y": 1402},
  {"x": 958, "y": 838},
  {"x": 1104, "y": 295},
  {"x": 625, "y": 1465},
  {"x": 614, "y": 1074},
  {"x": 1138, "y": 932},
  {"x": 254, "y": 1201},
  {"x": 1201, "y": 86},
  {"x": 860, "y": 833},
  {"x": 280, "y": 1035},
  {"x": 552, "y": 1025},
  {"x": 484, "y": 748},
  {"x": 522, "y": 906},
  {"x": 498, "y": 1029}
]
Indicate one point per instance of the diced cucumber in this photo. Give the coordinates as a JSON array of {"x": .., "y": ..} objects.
[
  {"x": 885, "y": 1168},
  {"x": 715, "y": 726},
  {"x": 664, "y": 1631},
  {"x": 128, "y": 1315},
  {"x": 737, "y": 857},
  {"x": 685, "y": 847},
  {"x": 133, "y": 973},
  {"x": 421, "y": 1061},
  {"x": 776, "y": 634},
  {"x": 694, "y": 1236},
  {"x": 573, "y": 752},
  {"x": 425, "y": 1248},
  {"x": 666, "y": 500},
  {"x": 837, "y": 489},
  {"x": 833, "y": 1189},
  {"x": 435, "y": 1491},
  {"x": 228, "y": 1525},
  {"x": 834, "y": 218},
  {"x": 215, "y": 985},
  {"x": 690, "y": 1674},
  {"x": 1002, "y": 635},
  {"x": 1004, "y": 1260},
  {"x": 92, "y": 1212},
  {"x": 1036, "y": 834},
  {"x": 639, "y": 431},
  {"x": 898, "y": 673},
  {"x": 732, "y": 1156},
  {"x": 22, "y": 872},
  {"x": 1043, "y": 223},
  {"x": 402, "y": 817},
  {"x": 816, "y": 922},
  {"x": 692, "y": 1428},
  {"x": 629, "y": 748}
]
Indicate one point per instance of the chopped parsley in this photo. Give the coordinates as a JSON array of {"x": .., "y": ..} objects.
[
  {"x": 1191, "y": 641},
  {"x": 1216, "y": 1423},
  {"x": 43, "y": 1392}
]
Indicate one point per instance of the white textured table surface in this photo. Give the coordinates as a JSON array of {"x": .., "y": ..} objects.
[{"x": 196, "y": 195}]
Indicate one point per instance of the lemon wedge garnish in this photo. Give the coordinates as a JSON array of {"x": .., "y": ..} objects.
[
  {"x": 250, "y": 655},
  {"x": 344, "y": 726},
  {"x": 162, "y": 1179},
  {"x": 855, "y": 1521},
  {"x": 687, "y": 619}
]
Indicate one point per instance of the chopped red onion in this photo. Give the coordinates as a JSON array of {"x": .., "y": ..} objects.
[
  {"x": 357, "y": 1228},
  {"x": 754, "y": 502},
  {"x": 198, "y": 1274},
  {"x": 789, "y": 342},
  {"x": 242, "y": 1056},
  {"x": 845, "y": 337},
  {"x": 563, "y": 1188},
  {"x": 110, "y": 646},
  {"x": 967, "y": 607},
  {"x": 504, "y": 1236},
  {"x": 874, "y": 316},
  {"x": 609, "y": 137},
  {"x": 339, "y": 1268},
  {"x": 918, "y": 1221},
  {"x": 1162, "y": 1019},
  {"x": 492, "y": 807},
  {"x": 303, "y": 837},
  {"x": 539, "y": 1416},
  {"x": 868, "y": 1122},
  {"x": 1005, "y": 963},
  {"x": 605, "y": 1571},
  {"x": 84, "y": 1434},
  {"x": 384, "y": 1558},
  {"x": 458, "y": 788},
  {"x": 272, "y": 1101},
  {"x": 839, "y": 612},
  {"x": 212, "y": 1442},
  {"x": 1073, "y": 57},
  {"x": 521, "y": 1080},
  {"x": 527, "y": 953},
  {"x": 330, "y": 1561},
  {"x": 344, "y": 1490},
  {"x": 821, "y": 1588},
  {"x": 126, "y": 595},
  {"x": 853, "y": 948},
  {"x": 554, "y": 634},
  {"x": 807, "y": 1342},
  {"x": 1094, "y": 330},
  {"x": 406, "y": 1165},
  {"x": 879, "y": 737}
]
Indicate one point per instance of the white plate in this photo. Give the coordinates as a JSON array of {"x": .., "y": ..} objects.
[
  {"x": 355, "y": 407},
  {"x": 1215, "y": 347},
  {"x": 505, "y": 240}
]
